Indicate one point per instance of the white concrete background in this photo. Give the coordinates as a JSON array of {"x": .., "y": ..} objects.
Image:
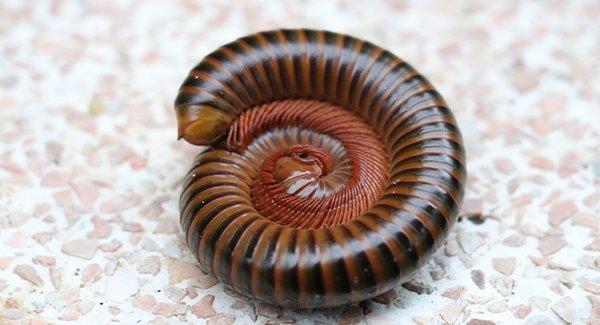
[{"x": 90, "y": 169}]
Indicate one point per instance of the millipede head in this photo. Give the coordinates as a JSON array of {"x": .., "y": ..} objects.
[{"x": 201, "y": 125}]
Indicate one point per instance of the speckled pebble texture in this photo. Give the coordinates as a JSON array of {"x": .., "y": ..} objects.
[{"x": 90, "y": 171}]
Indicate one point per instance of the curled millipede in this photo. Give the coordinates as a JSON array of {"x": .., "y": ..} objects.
[{"x": 333, "y": 171}]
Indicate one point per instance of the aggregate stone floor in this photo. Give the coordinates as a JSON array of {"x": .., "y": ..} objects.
[{"x": 90, "y": 170}]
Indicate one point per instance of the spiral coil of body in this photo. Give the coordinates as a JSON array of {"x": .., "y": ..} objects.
[{"x": 334, "y": 168}]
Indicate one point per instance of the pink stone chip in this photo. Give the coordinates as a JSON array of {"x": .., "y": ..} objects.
[
  {"x": 595, "y": 314},
  {"x": 44, "y": 260},
  {"x": 522, "y": 311},
  {"x": 5, "y": 262},
  {"x": 472, "y": 206},
  {"x": 120, "y": 203},
  {"x": 64, "y": 198},
  {"x": 102, "y": 229},
  {"x": 221, "y": 319},
  {"x": 592, "y": 287},
  {"x": 504, "y": 265},
  {"x": 452, "y": 311},
  {"x": 86, "y": 191},
  {"x": 180, "y": 271},
  {"x": 565, "y": 309},
  {"x": 454, "y": 293},
  {"x": 70, "y": 314},
  {"x": 84, "y": 248},
  {"x": 150, "y": 265},
  {"x": 56, "y": 179},
  {"x": 203, "y": 308},
  {"x": 551, "y": 244},
  {"x": 111, "y": 246},
  {"x": 169, "y": 310},
  {"x": 144, "y": 302},
  {"x": 166, "y": 226},
  {"x": 28, "y": 273},
  {"x": 541, "y": 163},
  {"x": 504, "y": 165},
  {"x": 91, "y": 273},
  {"x": 587, "y": 220},
  {"x": 560, "y": 211},
  {"x": 352, "y": 315},
  {"x": 42, "y": 237}
]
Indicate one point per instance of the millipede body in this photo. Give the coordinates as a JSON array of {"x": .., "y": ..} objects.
[{"x": 333, "y": 171}]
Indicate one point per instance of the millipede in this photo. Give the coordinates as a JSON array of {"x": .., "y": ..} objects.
[{"x": 332, "y": 169}]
